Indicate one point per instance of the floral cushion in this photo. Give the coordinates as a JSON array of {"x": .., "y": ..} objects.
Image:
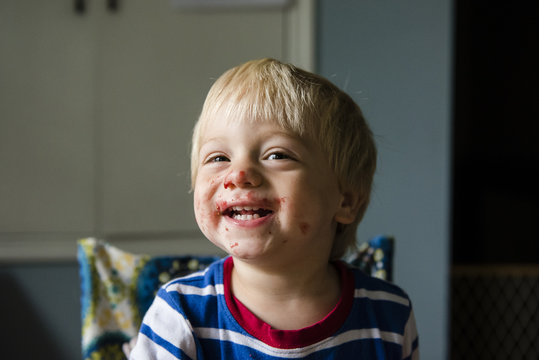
[
  {"x": 375, "y": 257},
  {"x": 118, "y": 287}
]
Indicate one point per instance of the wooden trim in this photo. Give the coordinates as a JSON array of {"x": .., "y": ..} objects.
[{"x": 300, "y": 44}]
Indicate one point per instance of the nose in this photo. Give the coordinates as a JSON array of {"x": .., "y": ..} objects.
[{"x": 242, "y": 178}]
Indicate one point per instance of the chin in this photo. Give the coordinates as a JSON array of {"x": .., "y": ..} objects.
[{"x": 246, "y": 253}]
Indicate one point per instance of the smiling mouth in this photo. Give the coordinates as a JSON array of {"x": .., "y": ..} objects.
[{"x": 245, "y": 213}]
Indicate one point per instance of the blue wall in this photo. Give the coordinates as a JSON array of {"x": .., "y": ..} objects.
[{"x": 394, "y": 58}]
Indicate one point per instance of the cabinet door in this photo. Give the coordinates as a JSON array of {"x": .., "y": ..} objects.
[{"x": 47, "y": 148}]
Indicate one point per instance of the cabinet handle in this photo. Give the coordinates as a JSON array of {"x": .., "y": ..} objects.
[
  {"x": 113, "y": 5},
  {"x": 80, "y": 6}
]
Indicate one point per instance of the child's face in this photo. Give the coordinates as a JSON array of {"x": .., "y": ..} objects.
[{"x": 262, "y": 193}]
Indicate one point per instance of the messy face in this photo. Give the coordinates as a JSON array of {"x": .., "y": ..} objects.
[{"x": 261, "y": 193}]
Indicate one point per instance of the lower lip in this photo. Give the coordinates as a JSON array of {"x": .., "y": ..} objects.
[{"x": 250, "y": 223}]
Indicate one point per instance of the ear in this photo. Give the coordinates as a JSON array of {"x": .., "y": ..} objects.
[{"x": 348, "y": 207}]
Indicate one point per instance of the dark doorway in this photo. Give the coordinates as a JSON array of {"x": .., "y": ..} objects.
[
  {"x": 495, "y": 216},
  {"x": 496, "y": 133}
]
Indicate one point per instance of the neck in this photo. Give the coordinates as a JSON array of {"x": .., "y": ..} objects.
[{"x": 290, "y": 297}]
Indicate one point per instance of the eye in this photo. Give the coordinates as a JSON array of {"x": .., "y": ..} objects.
[
  {"x": 216, "y": 158},
  {"x": 278, "y": 156},
  {"x": 220, "y": 158}
]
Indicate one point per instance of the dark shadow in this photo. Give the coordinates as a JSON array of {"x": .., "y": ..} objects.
[{"x": 23, "y": 335}]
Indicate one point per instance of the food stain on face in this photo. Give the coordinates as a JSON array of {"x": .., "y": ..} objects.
[
  {"x": 234, "y": 245},
  {"x": 219, "y": 208},
  {"x": 304, "y": 227},
  {"x": 215, "y": 179},
  {"x": 226, "y": 182}
]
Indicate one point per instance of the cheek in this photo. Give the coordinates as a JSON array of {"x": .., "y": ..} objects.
[
  {"x": 205, "y": 211},
  {"x": 205, "y": 190},
  {"x": 201, "y": 216},
  {"x": 297, "y": 215},
  {"x": 310, "y": 208}
]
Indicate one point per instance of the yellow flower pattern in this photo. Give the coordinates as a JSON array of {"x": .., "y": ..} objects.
[{"x": 116, "y": 289}]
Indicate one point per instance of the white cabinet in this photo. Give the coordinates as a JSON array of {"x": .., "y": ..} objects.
[
  {"x": 96, "y": 112},
  {"x": 47, "y": 142}
]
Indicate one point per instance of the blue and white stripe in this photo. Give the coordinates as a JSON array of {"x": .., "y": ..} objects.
[{"x": 189, "y": 320}]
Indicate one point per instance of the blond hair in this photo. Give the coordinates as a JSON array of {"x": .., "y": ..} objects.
[{"x": 304, "y": 104}]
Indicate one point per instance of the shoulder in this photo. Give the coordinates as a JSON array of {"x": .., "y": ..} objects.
[
  {"x": 186, "y": 299},
  {"x": 380, "y": 304},
  {"x": 378, "y": 289},
  {"x": 206, "y": 282},
  {"x": 384, "y": 306}
]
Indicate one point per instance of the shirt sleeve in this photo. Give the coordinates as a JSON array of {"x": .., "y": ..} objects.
[
  {"x": 165, "y": 333},
  {"x": 410, "y": 346}
]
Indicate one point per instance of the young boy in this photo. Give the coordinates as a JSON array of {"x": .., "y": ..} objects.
[{"x": 282, "y": 165}]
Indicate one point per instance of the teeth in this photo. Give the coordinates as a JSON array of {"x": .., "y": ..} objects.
[
  {"x": 244, "y": 208},
  {"x": 246, "y": 217},
  {"x": 246, "y": 212}
]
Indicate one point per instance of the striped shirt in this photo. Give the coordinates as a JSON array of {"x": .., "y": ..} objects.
[{"x": 197, "y": 317}]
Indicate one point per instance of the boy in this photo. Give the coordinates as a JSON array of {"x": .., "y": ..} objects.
[{"x": 282, "y": 165}]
